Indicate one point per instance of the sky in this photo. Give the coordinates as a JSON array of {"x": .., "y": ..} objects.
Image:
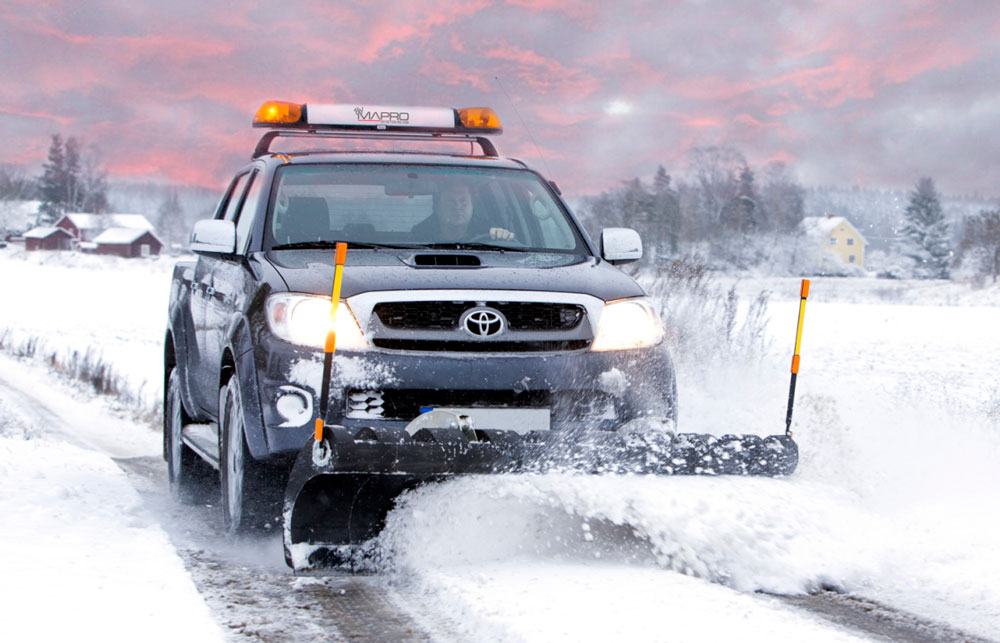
[{"x": 874, "y": 94}]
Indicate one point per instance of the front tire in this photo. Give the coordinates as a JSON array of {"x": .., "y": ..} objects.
[
  {"x": 250, "y": 494},
  {"x": 189, "y": 477}
]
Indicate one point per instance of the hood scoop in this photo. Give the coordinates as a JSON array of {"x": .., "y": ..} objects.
[{"x": 446, "y": 260}]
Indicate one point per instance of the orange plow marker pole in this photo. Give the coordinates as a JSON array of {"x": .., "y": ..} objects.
[
  {"x": 803, "y": 295},
  {"x": 330, "y": 344}
]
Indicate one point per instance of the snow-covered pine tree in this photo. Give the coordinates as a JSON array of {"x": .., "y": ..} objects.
[
  {"x": 71, "y": 182},
  {"x": 926, "y": 232},
  {"x": 52, "y": 184},
  {"x": 667, "y": 211}
]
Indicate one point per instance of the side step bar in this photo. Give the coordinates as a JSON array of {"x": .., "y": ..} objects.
[{"x": 203, "y": 440}]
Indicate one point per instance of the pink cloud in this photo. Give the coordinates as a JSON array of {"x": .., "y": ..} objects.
[
  {"x": 585, "y": 12},
  {"x": 457, "y": 75},
  {"x": 408, "y": 22},
  {"x": 703, "y": 70},
  {"x": 178, "y": 172},
  {"x": 702, "y": 122},
  {"x": 196, "y": 166},
  {"x": 709, "y": 88},
  {"x": 381, "y": 36},
  {"x": 58, "y": 118},
  {"x": 746, "y": 120},
  {"x": 781, "y": 156},
  {"x": 914, "y": 59},
  {"x": 545, "y": 75},
  {"x": 557, "y": 114},
  {"x": 838, "y": 63},
  {"x": 131, "y": 46},
  {"x": 782, "y": 107}
]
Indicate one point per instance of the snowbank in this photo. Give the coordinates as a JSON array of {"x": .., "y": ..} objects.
[
  {"x": 79, "y": 554},
  {"x": 104, "y": 308}
]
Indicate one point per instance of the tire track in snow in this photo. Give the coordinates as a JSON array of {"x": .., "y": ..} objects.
[
  {"x": 253, "y": 593},
  {"x": 875, "y": 619}
]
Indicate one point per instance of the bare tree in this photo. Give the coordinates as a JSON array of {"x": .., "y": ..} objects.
[
  {"x": 93, "y": 183},
  {"x": 170, "y": 222},
  {"x": 981, "y": 239},
  {"x": 782, "y": 197},
  {"x": 15, "y": 184},
  {"x": 716, "y": 172}
]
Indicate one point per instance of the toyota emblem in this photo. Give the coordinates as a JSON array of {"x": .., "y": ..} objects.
[{"x": 483, "y": 322}]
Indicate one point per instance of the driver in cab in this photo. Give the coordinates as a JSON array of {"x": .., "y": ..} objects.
[{"x": 453, "y": 219}]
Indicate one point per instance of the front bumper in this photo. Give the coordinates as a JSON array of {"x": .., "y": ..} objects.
[{"x": 598, "y": 389}]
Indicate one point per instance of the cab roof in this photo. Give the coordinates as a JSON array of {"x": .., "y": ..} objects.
[{"x": 395, "y": 157}]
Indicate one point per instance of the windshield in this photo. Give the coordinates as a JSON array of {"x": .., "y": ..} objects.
[{"x": 417, "y": 206}]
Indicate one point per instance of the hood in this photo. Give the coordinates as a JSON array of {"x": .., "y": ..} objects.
[{"x": 311, "y": 271}]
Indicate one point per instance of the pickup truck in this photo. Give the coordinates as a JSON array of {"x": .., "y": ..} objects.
[{"x": 469, "y": 286}]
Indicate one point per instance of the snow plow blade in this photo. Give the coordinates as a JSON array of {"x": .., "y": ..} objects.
[{"x": 341, "y": 487}]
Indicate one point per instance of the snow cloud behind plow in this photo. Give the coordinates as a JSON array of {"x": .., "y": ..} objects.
[
  {"x": 893, "y": 498},
  {"x": 543, "y": 557},
  {"x": 750, "y": 534}
]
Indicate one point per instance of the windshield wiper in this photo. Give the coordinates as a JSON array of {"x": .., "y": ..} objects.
[
  {"x": 464, "y": 245},
  {"x": 364, "y": 245}
]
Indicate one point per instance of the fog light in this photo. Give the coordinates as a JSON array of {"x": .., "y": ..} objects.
[
  {"x": 365, "y": 405},
  {"x": 294, "y": 405}
]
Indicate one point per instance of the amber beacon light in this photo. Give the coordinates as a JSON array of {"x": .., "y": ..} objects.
[
  {"x": 483, "y": 118},
  {"x": 276, "y": 112}
]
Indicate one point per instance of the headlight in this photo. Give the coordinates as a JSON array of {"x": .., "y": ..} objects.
[
  {"x": 305, "y": 320},
  {"x": 627, "y": 324}
]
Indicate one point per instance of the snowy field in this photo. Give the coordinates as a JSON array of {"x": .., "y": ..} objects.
[{"x": 895, "y": 498}]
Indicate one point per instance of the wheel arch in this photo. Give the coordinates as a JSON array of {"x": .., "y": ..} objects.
[{"x": 243, "y": 369}]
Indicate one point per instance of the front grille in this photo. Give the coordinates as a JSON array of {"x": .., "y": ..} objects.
[
  {"x": 540, "y": 316},
  {"x": 421, "y": 315},
  {"x": 444, "y": 315},
  {"x": 434, "y": 345}
]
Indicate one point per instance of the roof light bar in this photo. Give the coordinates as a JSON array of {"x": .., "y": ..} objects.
[{"x": 472, "y": 120}]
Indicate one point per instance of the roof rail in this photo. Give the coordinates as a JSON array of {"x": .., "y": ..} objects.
[{"x": 263, "y": 147}]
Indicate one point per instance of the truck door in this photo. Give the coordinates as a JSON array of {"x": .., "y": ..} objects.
[
  {"x": 205, "y": 369},
  {"x": 232, "y": 284}
]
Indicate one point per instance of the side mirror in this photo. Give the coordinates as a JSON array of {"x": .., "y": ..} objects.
[
  {"x": 620, "y": 245},
  {"x": 214, "y": 236}
]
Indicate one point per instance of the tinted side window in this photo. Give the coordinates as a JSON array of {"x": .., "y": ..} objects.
[
  {"x": 244, "y": 220},
  {"x": 233, "y": 198}
]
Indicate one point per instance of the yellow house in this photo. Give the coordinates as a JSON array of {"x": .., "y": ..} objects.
[{"x": 837, "y": 235}]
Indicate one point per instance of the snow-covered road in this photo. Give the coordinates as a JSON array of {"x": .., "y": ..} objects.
[
  {"x": 897, "y": 418},
  {"x": 252, "y": 596}
]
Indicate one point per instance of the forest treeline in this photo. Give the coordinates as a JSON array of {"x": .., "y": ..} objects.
[{"x": 719, "y": 211}]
